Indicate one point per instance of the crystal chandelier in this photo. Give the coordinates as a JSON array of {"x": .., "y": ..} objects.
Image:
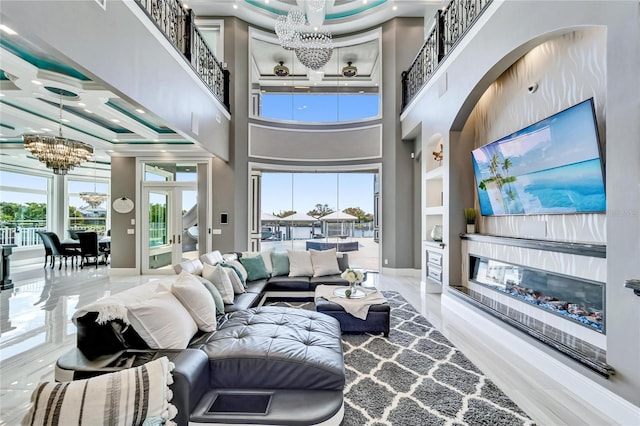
[
  {"x": 313, "y": 47},
  {"x": 94, "y": 199},
  {"x": 56, "y": 152}
]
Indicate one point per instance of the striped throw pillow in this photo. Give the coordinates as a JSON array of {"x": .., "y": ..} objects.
[{"x": 125, "y": 397}]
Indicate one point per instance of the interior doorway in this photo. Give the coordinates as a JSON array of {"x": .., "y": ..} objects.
[{"x": 300, "y": 210}]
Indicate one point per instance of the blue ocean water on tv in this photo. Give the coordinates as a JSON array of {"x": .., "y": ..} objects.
[{"x": 572, "y": 188}]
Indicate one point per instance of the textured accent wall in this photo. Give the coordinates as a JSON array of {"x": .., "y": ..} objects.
[{"x": 568, "y": 70}]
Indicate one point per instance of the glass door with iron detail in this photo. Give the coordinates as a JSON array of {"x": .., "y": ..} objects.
[{"x": 170, "y": 228}]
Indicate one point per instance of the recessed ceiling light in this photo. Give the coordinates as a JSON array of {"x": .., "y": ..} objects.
[
  {"x": 115, "y": 140},
  {"x": 163, "y": 150},
  {"x": 81, "y": 104},
  {"x": 394, "y": 7},
  {"x": 156, "y": 140},
  {"x": 39, "y": 83},
  {"x": 1, "y": 95},
  {"x": 64, "y": 120},
  {"x": 88, "y": 111},
  {"x": 141, "y": 111},
  {"x": 235, "y": 6},
  {"x": 7, "y": 30},
  {"x": 110, "y": 150},
  {"x": 115, "y": 120},
  {"x": 364, "y": 1},
  {"x": 46, "y": 130},
  {"x": 346, "y": 84}
]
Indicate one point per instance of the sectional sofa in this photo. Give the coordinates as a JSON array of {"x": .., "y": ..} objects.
[{"x": 251, "y": 364}]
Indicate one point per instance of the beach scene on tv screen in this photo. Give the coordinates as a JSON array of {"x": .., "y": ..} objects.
[{"x": 552, "y": 166}]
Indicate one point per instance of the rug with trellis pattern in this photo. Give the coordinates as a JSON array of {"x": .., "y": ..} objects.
[{"x": 416, "y": 377}]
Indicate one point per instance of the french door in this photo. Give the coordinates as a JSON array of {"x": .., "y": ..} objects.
[{"x": 169, "y": 225}]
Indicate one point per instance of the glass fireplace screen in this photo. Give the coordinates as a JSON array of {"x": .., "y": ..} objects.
[{"x": 574, "y": 298}]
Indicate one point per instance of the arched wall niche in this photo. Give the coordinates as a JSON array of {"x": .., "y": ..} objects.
[{"x": 567, "y": 69}]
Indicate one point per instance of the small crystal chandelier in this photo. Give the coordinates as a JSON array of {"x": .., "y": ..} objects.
[
  {"x": 313, "y": 47},
  {"x": 95, "y": 198},
  {"x": 56, "y": 152}
]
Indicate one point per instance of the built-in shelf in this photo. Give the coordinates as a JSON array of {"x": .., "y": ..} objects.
[
  {"x": 434, "y": 174},
  {"x": 582, "y": 249},
  {"x": 436, "y": 210}
]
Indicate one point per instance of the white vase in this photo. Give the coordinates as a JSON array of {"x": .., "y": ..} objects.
[{"x": 471, "y": 228}]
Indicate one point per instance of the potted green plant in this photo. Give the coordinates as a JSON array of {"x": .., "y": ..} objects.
[{"x": 470, "y": 216}]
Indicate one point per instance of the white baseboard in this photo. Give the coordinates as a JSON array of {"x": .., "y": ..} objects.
[
  {"x": 124, "y": 271},
  {"x": 592, "y": 393},
  {"x": 401, "y": 272}
]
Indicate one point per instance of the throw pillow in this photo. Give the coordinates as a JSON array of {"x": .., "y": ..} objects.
[
  {"x": 237, "y": 266},
  {"x": 236, "y": 282},
  {"x": 211, "y": 258},
  {"x": 280, "y": 263},
  {"x": 266, "y": 257},
  {"x": 162, "y": 322},
  {"x": 191, "y": 266},
  {"x": 197, "y": 300},
  {"x": 240, "y": 269},
  {"x": 122, "y": 398},
  {"x": 255, "y": 267},
  {"x": 219, "y": 278},
  {"x": 343, "y": 261},
  {"x": 324, "y": 262},
  {"x": 217, "y": 297},
  {"x": 300, "y": 264}
]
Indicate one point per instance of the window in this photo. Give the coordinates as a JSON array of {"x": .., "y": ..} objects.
[
  {"x": 23, "y": 207},
  {"x": 88, "y": 205},
  {"x": 346, "y": 89}
]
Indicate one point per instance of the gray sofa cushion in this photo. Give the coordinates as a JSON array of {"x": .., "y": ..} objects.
[
  {"x": 256, "y": 286},
  {"x": 283, "y": 283},
  {"x": 328, "y": 279},
  {"x": 243, "y": 301},
  {"x": 276, "y": 348}
]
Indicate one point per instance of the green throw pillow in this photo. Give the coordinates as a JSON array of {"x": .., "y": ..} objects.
[
  {"x": 235, "y": 268},
  {"x": 280, "y": 263},
  {"x": 255, "y": 267},
  {"x": 217, "y": 297}
]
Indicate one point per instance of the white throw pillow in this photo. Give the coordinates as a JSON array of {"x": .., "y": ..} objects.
[
  {"x": 191, "y": 266},
  {"x": 240, "y": 267},
  {"x": 266, "y": 256},
  {"x": 300, "y": 264},
  {"x": 325, "y": 262},
  {"x": 122, "y": 398},
  {"x": 219, "y": 278},
  {"x": 211, "y": 258},
  {"x": 238, "y": 288},
  {"x": 162, "y": 322},
  {"x": 197, "y": 300}
]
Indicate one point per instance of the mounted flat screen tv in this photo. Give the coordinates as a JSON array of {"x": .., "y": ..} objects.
[{"x": 551, "y": 167}]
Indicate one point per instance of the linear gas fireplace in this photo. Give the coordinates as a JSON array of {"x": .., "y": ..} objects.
[{"x": 576, "y": 299}]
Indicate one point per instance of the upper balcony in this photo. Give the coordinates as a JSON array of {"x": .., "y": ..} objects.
[{"x": 451, "y": 25}]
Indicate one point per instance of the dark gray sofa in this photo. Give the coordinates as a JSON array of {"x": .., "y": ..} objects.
[{"x": 287, "y": 361}]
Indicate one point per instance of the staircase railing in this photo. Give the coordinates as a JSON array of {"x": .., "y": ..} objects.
[
  {"x": 450, "y": 26},
  {"x": 178, "y": 26}
]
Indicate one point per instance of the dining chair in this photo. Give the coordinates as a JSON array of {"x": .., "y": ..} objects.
[
  {"x": 47, "y": 249},
  {"x": 89, "y": 247},
  {"x": 58, "y": 250}
]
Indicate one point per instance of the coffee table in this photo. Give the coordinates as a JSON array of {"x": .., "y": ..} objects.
[{"x": 377, "y": 320}]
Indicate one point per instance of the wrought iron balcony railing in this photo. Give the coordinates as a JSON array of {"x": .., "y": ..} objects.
[
  {"x": 451, "y": 24},
  {"x": 178, "y": 25}
]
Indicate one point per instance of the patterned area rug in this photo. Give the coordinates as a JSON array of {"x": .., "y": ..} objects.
[{"x": 416, "y": 377}]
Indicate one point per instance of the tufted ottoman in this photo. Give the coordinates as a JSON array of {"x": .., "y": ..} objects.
[{"x": 276, "y": 348}]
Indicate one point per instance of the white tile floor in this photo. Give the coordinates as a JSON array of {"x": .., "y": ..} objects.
[{"x": 35, "y": 329}]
